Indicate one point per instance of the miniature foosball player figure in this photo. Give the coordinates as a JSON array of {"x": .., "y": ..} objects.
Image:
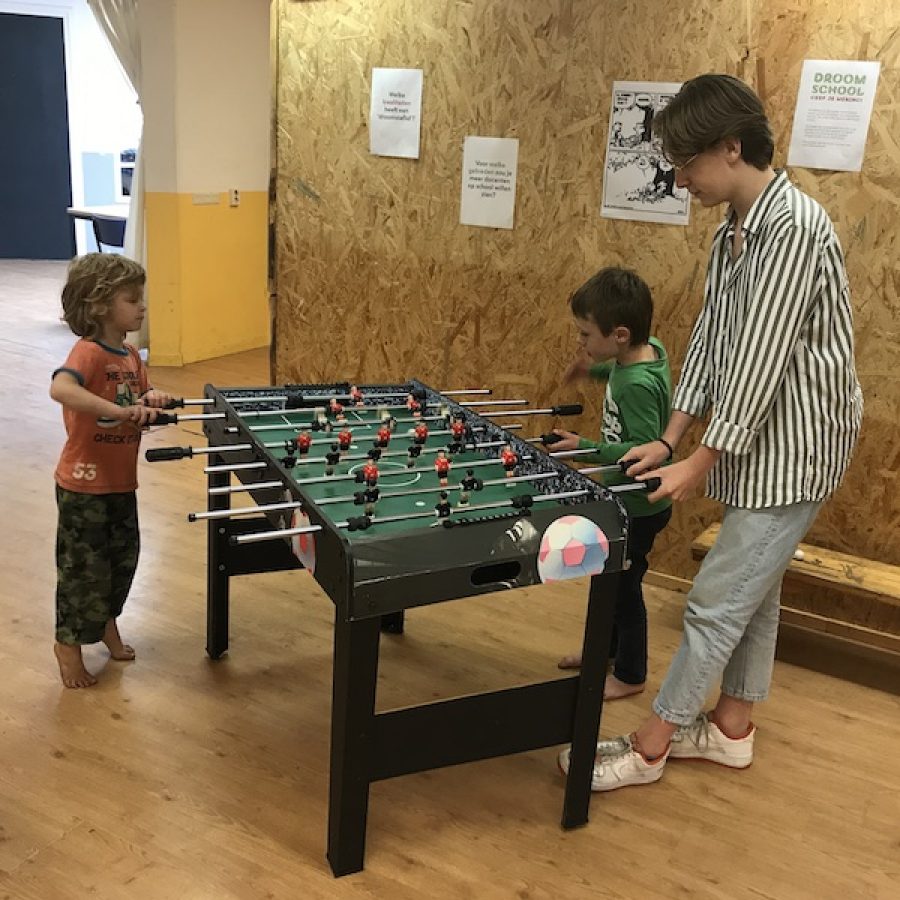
[
  {"x": 384, "y": 436},
  {"x": 290, "y": 460},
  {"x": 412, "y": 455},
  {"x": 468, "y": 484},
  {"x": 413, "y": 405},
  {"x": 442, "y": 467},
  {"x": 510, "y": 460},
  {"x": 356, "y": 396},
  {"x": 458, "y": 430},
  {"x": 370, "y": 471},
  {"x": 332, "y": 458},
  {"x": 370, "y": 496},
  {"x": 303, "y": 441},
  {"x": 336, "y": 409},
  {"x": 421, "y": 433},
  {"x": 442, "y": 508},
  {"x": 345, "y": 438}
]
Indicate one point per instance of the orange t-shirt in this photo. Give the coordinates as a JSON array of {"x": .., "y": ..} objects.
[{"x": 100, "y": 455}]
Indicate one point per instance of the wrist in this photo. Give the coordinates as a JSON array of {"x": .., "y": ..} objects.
[{"x": 667, "y": 445}]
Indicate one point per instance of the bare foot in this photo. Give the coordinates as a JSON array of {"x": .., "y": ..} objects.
[
  {"x": 615, "y": 689},
  {"x": 113, "y": 641},
  {"x": 572, "y": 661},
  {"x": 71, "y": 666}
]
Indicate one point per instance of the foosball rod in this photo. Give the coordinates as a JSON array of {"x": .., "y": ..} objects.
[
  {"x": 256, "y": 537},
  {"x": 247, "y": 467},
  {"x": 179, "y": 402},
  {"x": 388, "y": 495},
  {"x": 164, "y": 454},
  {"x": 323, "y": 479},
  {"x": 565, "y": 409}
]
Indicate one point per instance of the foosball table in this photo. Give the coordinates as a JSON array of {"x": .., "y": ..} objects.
[{"x": 395, "y": 497}]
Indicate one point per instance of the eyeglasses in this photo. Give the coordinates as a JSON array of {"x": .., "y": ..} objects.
[{"x": 680, "y": 166}]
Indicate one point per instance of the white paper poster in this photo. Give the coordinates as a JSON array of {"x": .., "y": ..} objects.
[
  {"x": 395, "y": 115},
  {"x": 638, "y": 183},
  {"x": 831, "y": 121},
  {"x": 489, "y": 181}
]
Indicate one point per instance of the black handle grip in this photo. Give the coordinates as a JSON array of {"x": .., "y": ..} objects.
[
  {"x": 549, "y": 439},
  {"x": 161, "y": 454},
  {"x": 653, "y": 484},
  {"x": 164, "y": 419},
  {"x": 626, "y": 464},
  {"x": 175, "y": 403},
  {"x": 567, "y": 409}
]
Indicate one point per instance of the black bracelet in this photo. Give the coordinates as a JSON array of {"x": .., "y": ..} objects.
[{"x": 667, "y": 445}]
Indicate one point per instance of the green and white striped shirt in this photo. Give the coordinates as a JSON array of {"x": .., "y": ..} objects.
[{"x": 771, "y": 356}]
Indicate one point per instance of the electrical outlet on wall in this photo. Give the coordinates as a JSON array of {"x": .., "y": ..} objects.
[{"x": 234, "y": 197}]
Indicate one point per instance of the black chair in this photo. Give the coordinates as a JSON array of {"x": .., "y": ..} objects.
[{"x": 108, "y": 231}]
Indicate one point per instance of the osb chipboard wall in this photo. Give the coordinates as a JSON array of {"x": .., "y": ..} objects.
[{"x": 377, "y": 280}]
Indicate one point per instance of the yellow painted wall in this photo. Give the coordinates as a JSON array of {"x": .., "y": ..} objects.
[{"x": 206, "y": 269}]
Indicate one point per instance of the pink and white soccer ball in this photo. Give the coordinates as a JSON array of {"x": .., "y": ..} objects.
[
  {"x": 303, "y": 545},
  {"x": 572, "y": 547}
]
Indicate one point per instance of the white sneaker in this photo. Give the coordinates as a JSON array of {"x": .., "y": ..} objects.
[
  {"x": 618, "y": 764},
  {"x": 703, "y": 739}
]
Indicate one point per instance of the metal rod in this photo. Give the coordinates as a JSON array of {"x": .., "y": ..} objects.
[
  {"x": 236, "y": 467},
  {"x": 241, "y": 511},
  {"x": 258, "y": 536},
  {"x": 238, "y": 488},
  {"x": 592, "y": 470},
  {"x": 495, "y": 403},
  {"x": 386, "y": 495},
  {"x": 563, "y": 454}
]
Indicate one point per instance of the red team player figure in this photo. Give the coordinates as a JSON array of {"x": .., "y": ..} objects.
[
  {"x": 304, "y": 440},
  {"x": 384, "y": 436},
  {"x": 442, "y": 467},
  {"x": 510, "y": 460},
  {"x": 421, "y": 433},
  {"x": 370, "y": 472},
  {"x": 356, "y": 396},
  {"x": 458, "y": 430},
  {"x": 345, "y": 437},
  {"x": 336, "y": 410},
  {"x": 413, "y": 406}
]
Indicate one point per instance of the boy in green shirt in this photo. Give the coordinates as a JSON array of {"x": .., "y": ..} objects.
[{"x": 613, "y": 312}]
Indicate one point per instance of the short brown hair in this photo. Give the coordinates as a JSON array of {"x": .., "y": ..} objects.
[
  {"x": 615, "y": 297},
  {"x": 93, "y": 280},
  {"x": 709, "y": 109}
]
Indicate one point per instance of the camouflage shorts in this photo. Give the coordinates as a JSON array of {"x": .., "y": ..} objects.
[{"x": 97, "y": 546}]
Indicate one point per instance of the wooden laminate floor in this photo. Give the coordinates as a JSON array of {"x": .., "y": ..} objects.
[{"x": 177, "y": 777}]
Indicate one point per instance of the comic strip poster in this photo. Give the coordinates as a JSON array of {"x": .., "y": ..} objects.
[{"x": 638, "y": 183}]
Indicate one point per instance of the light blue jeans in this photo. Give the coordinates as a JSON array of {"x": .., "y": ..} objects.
[{"x": 731, "y": 618}]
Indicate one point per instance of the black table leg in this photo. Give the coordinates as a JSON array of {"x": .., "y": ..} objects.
[
  {"x": 392, "y": 623},
  {"x": 217, "y": 584},
  {"x": 589, "y": 705},
  {"x": 352, "y": 721}
]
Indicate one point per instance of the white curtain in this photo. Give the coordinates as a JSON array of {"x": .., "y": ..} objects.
[{"x": 119, "y": 21}]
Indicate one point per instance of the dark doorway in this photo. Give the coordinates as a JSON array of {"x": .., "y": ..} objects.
[{"x": 35, "y": 175}]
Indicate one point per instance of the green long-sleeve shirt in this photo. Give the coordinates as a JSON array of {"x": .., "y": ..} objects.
[{"x": 636, "y": 410}]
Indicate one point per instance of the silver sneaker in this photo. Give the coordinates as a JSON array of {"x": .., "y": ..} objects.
[
  {"x": 618, "y": 764},
  {"x": 703, "y": 739}
]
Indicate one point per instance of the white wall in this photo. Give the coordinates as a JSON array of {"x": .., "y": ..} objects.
[
  {"x": 206, "y": 83},
  {"x": 103, "y": 113}
]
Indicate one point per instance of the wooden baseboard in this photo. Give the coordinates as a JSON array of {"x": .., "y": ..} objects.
[{"x": 835, "y": 628}]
